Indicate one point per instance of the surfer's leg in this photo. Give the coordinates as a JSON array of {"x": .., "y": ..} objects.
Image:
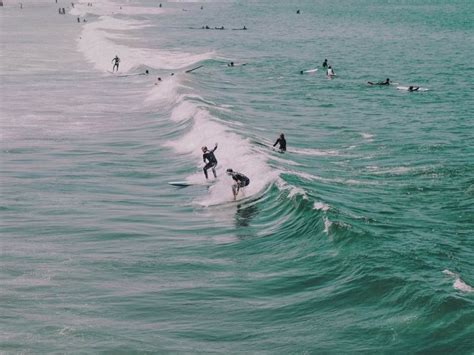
[{"x": 205, "y": 171}]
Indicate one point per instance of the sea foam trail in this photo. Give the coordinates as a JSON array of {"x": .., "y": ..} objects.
[
  {"x": 233, "y": 152},
  {"x": 99, "y": 46},
  {"x": 458, "y": 284}
]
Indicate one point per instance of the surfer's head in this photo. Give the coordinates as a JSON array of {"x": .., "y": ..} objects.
[
  {"x": 204, "y": 149},
  {"x": 229, "y": 171}
]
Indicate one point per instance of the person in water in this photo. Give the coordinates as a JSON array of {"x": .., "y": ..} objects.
[
  {"x": 116, "y": 62},
  {"x": 413, "y": 88},
  {"x": 325, "y": 63},
  {"x": 330, "y": 72},
  {"x": 210, "y": 160},
  {"x": 282, "y": 141},
  {"x": 231, "y": 64},
  {"x": 240, "y": 181},
  {"x": 386, "y": 82}
]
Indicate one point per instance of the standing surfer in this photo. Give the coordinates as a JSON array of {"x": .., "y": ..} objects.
[
  {"x": 210, "y": 160},
  {"x": 240, "y": 181},
  {"x": 116, "y": 62}
]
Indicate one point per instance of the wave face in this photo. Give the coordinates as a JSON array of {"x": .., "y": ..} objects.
[{"x": 358, "y": 238}]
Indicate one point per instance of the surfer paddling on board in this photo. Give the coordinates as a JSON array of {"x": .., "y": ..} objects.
[
  {"x": 210, "y": 160},
  {"x": 413, "y": 88},
  {"x": 116, "y": 62},
  {"x": 386, "y": 82},
  {"x": 240, "y": 181},
  {"x": 282, "y": 141}
]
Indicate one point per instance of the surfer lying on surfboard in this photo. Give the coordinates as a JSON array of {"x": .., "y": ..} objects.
[
  {"x": 386, "y": 82},
  {"x": 240, "y": 181}
]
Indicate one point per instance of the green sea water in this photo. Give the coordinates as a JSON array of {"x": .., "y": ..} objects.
[{"x": 358, "y": 239}]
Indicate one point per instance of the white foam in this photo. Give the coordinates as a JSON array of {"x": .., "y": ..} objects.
[
  {"x": 320, "y": 206},
  {"x": 458, "y": 284},
  {"x": 314, "y": 152},
  {"x": 100, "y": 46},
  {"x": 327, "y": 225},
  {"x": 107, "y": 7}
]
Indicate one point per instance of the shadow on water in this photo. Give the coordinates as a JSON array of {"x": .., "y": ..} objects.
[{"x": 245, "y": 214}]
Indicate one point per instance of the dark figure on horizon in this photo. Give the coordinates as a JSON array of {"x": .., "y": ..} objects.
[
  {"x": 231, "y": 64},
  {"x": 325, "y": 63},
  {"x": 386, "y": 82},
  {"x": 116, "y": 62},
  {"x": 240, "y": 181},
  {"x": 298, "y": 12},
  {"x": 282, "y": 142},
  {"x": 210, "y": 160}
]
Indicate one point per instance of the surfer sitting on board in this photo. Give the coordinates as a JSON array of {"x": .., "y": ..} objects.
[
  {"x": 240, "y": 179},
  {"x": 330, "y": 72},
  {"x": 386, "y": 82},
  {"x": 116, "y": 62},
  {"x": 211, "y": 160},
  {"x": 282, "y": 141},
  {"x": 325, "y": 63}
]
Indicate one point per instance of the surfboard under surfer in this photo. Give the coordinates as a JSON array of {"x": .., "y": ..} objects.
[
  {"x": 210, "y": 160},
  {"x": 240, "y": 181}
]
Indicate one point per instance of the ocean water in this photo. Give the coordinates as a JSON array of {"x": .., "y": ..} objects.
[{"x": 359, "y": 238}]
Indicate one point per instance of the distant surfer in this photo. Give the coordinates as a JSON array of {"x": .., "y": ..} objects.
[
  {"x": 325, "y": 63},
  {"x": 413, "y": 88},
  {"x": 386, "y": 82},
  {"x": 158, "y": 81},
  {"x": 282, "y": 142},
  {"x": 210, "y": 160},
  {"x": 231, "y": 64},
  {"x": 297, "y": 12},
  {"x": 330, "y": 72},
  {"x": 116, "y": 62},
  {"x": 240, "y": 181}
]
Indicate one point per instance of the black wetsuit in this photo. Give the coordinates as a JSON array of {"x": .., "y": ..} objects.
[
  {"x": 325, "y": 64},
  {"x": 282, "y": 142},
  {"x": 240, "y": 179},
  {"x": 211, "y": 161}
]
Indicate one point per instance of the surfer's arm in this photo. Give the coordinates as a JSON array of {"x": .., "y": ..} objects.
[
  {"x": 276, "y": 142},
  {"x": 215, "y": 147}
]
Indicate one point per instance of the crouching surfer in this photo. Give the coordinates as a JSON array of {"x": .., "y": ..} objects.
[{"x": 240, "y": 181}]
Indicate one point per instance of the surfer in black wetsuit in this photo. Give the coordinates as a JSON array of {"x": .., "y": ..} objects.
[
  {"x": 325, "y": 63},
  {"x": 240, "y": 179},
  {"x": 386, "y": 82},
  {"x": 116, "y": 62},
  {"x": 413, "y": 88},
  {"x": 282, "y": 141},
  {"x": 210, "y": 160}
]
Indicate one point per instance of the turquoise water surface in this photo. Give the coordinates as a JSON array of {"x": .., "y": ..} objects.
[{"x": 358, "y": 239}]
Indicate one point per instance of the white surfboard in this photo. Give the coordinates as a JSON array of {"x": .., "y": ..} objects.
[
  {"x": 309, "y": 71},
  {"x": 405, "y": 88}
]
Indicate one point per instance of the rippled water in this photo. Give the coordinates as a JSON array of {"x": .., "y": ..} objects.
[{"x": 358, "y": 239}]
